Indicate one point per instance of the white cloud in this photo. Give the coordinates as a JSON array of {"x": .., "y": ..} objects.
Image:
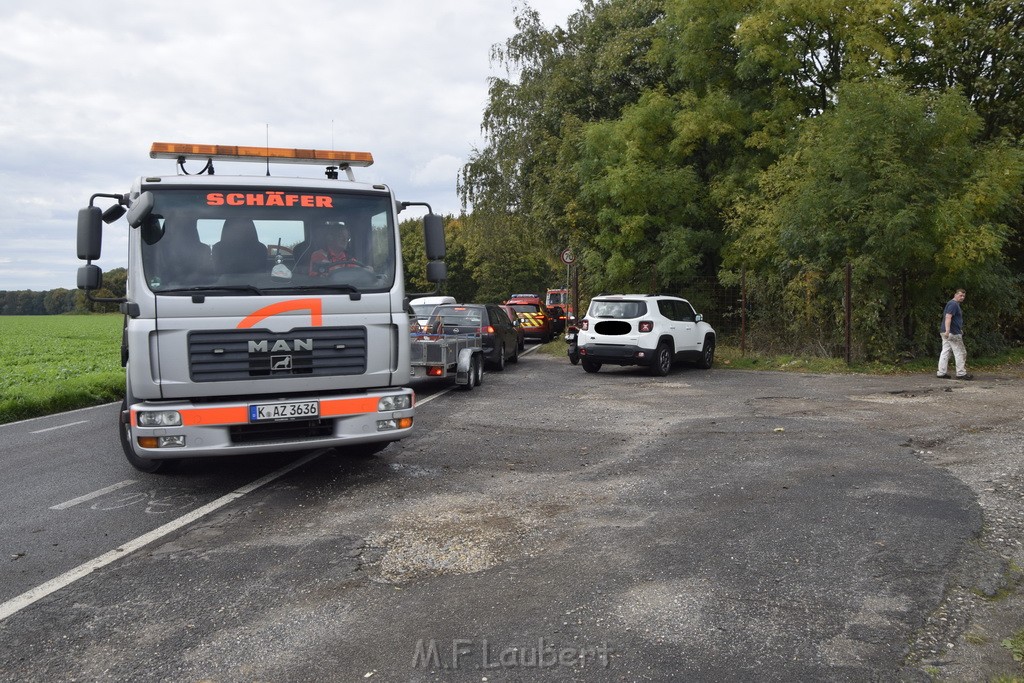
[
  {"x": 441, "y": 170},
  {"x": 88, "y": 87}
]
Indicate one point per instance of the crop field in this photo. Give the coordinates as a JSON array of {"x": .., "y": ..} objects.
[{"x": 50, "y": 363}]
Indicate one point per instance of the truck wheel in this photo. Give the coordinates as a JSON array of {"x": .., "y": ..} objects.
[
  {"x": 590, "y": 366},
  {"x": 147, "y": 465},
  {"x": 662, "y": 361}
]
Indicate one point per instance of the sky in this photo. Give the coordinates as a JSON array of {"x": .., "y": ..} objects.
[{"x": 89, "y": 86}]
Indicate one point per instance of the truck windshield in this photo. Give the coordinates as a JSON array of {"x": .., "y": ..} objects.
[
  {"x": 557, "y": 298},
  {"x": 234, "y": 241}
]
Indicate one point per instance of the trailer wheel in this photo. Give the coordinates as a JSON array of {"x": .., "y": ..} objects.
[
  {"x": 147, "y": 465},
  {"x": 473, "y": 375},
  {"x": 479, "y": 369}
]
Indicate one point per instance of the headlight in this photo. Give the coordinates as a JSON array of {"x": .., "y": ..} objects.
[
  {"x": 389, "y": 403},
  {"x": 159, "y": 418}
]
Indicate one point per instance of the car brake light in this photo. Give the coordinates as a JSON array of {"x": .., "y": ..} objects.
[
  {"x": 646, "y": 325},
  {"x": 585, "y": 325}
]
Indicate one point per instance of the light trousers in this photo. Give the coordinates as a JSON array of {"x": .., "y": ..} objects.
[{"x": 953, "y": 344}]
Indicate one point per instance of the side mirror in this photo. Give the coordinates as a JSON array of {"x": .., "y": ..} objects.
[
  {"x": 433, "y": 237},
  {"x": 90, "y": 233},
  {"x": 113, "y": 212},
  {"x": 140, "y": 209},
  {"x": 437, "y": 271},
  {"x": 699, "y": 317},
  {"x": 90, "y": 277}
]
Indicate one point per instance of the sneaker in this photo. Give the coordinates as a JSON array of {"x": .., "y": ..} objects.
[
  {"x": 943, "y": 376},
  {"x": 967, "y": 376}
]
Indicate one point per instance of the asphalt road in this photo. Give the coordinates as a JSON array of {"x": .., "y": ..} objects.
[{"x": 548, "y": 525}]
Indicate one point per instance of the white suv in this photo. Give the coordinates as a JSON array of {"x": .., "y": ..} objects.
[{"x": 654, "y": 330}]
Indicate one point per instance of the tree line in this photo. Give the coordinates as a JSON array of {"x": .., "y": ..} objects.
[
  {"x": 60, "y": 301},
  {"x": 768, "y": 142}
]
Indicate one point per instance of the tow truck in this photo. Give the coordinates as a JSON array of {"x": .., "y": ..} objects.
[{"x": 236, "y": 340}]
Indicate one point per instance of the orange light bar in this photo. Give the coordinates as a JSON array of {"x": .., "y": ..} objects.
[{"x": 172, "y": 150}]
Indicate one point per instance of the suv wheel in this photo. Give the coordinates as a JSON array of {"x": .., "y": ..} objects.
[
  {"x": 662, "y": 361},
  {"x": 499, "y": 365},
  {"x": 707, "y": 357},
  {"x": 590, "y": 366}
]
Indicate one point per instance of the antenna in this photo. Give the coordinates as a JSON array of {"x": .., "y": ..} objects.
[{"x": 268, "y": 149}]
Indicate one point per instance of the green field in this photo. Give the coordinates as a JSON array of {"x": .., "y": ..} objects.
[{"x": 54, "y": 363}]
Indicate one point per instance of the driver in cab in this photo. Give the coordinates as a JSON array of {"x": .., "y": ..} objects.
[{"x": 335, "y": 254}]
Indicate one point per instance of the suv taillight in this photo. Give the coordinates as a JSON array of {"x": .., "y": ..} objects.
[
  {"x": 585, "y": 325},
  {"x": 646, "y": 325}
]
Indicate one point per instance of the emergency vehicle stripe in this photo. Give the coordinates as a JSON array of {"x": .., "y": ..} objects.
[
  {"x": 314, "y": 306},
  {"x": 532, "y": 319}
]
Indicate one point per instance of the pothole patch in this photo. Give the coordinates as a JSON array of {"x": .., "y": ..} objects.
[{"x": 447, "y": 535}]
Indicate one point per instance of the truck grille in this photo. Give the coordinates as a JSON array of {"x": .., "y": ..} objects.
[{"x": 220, "y": 356}]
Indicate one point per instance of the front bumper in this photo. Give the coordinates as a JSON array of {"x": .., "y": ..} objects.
[{"x": 224, "y": 428}]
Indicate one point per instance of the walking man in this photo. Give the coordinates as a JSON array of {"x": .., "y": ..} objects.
[{"x": 952, "y": 332}]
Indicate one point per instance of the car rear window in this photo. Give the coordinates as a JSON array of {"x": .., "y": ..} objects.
[
  {"x": 617, "y": 309},
  {"x": 459, "y": 315}
]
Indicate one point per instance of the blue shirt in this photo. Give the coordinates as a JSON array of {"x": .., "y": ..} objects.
[{"x": 956, "y": 325}]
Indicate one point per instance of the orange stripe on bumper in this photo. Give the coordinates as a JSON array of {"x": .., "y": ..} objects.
[
  {"x": 348, "y": 406},
  {"x": 215, "y": 416},
  {"x": 240, "y": 414}
]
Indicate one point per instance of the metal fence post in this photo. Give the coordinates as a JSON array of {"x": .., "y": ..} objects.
[
  {"x": 743, "y": 311},
  {"x": 849, "y": 311}
]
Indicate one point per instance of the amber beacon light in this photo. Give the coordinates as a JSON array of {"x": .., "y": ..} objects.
[{"x": 173, "y": 150}]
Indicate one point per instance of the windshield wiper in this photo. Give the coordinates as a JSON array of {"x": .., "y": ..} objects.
[
  {"x": 353, "y": 292},
  {"x": 213, "y": 289}
]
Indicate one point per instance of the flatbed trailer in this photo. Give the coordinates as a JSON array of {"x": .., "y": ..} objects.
[{"x": 448, "y": 355}]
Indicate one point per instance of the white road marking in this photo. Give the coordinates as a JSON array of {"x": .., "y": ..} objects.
[
  {"x": 50, "y": 429},
  {"x": 32, "y": 595},
  {"x": 49, "y": 417},
  {"x": 95, "y": 494}
]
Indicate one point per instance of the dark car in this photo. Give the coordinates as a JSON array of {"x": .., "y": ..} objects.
[
  {"x": 516, "y": 322},
  {"x": 558, "y": 318},
  {"x": 497, "y": 334}
]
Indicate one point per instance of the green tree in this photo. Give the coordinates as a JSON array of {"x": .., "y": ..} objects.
[
  {"x": 506, "y": 258},
  {"x": 460, "y": 282},
  {"x": 894, "y": 184},
  {"x": 976, "y": 46}
]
